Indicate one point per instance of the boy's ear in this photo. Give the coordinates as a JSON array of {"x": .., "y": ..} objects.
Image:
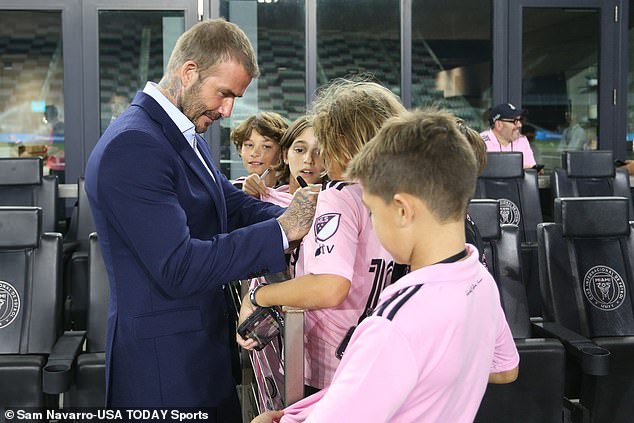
[{"x": 404, "y": 208}]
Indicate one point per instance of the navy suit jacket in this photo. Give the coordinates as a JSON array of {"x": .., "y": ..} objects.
[{"x": 171, "y": 236}]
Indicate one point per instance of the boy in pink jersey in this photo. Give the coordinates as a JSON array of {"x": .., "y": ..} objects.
[
  {"x": 439, "y": 333},
  {"x": 341, "y": 267},
  {"x": 300, "y": 157},
  {"x": 257, "y": 140}
]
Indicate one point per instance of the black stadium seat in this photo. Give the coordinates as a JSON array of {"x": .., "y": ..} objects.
[
  {"x": 586, "y": 259},
  {"x": 76, "y": 262},
  {"x": 33, "y": 357},
  {"x": 22, "y": 184},
  {"x": 517, "y": 189},
  {"x": 538, "y": 393},
  {"x": 89, "y": 389},
  {"x": 590, "y": 174}
]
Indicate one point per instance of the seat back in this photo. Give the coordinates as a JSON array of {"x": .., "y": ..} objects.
[
  {"x": 76, "y": 263},
  {"x": 30, "y": 305},
  {"x": 590, "y": 174},
  {"x": 81, "y": 222},
  {"x": 89, "y": 389},
  {"x": 22, "y": 184},
  {"x": 586, "y": 260},
  {"x": 30, "y": 283},
  {"x": 502, "y": 250},
  {"x": 98, "y": 296},
  {"x": 517, "y": 189},
  {"x": 537, "y": 395}
]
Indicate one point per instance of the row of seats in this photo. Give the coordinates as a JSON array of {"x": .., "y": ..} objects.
[
  {"x": 575, "y": 361},
  {"x": 23, "y": 184}
]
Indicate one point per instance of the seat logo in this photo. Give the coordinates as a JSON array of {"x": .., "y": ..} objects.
[
  {"x": 509, "y": 212},
  {"x": 9, "y": 304},
  {"x": 604, "y": 288},
  {"x": 326, "y": 225}
]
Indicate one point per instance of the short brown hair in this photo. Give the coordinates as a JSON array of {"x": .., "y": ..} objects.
[
  {"x": 347, "y": 114},
  {"x": 421, "y": 153},
  {"x": 268, "y": 124},
  {"x": 211, "y": 42},
  {"x": 282, "y": 170},
  {"x": 476, "y": 142}
]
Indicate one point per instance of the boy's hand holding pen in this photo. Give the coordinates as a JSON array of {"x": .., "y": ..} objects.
[{"x": 255, "y": 186}]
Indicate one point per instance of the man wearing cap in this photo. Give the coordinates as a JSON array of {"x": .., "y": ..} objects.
[{"x": 506, "y": 121}]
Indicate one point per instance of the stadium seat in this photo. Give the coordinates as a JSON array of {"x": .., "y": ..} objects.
[
  {"x": 76, "y": 262},
  {"x": 34, "y": 359},
  {"x": 586, "y": 259},
  {"x": 538, "y": 393},
  {"x": 590, "y": 174},
  {"x": 517, "y": 189},
  {"x": 22, "y": 184},
  {"x": 89, "y": 389}
]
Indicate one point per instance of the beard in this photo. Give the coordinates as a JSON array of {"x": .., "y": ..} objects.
[{"x": 194, "y": 108}]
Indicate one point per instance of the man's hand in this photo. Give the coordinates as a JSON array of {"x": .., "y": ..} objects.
[
  {"x": 254, "y": 186},
  {"x": 298, "y": 217}
]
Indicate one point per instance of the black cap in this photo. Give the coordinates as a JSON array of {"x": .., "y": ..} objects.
[{"x": 504, "y": 111}]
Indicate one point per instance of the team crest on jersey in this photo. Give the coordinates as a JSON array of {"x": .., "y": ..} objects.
[
  {"x": 509, "y": 212},
  {"x": 9, "y": 304},
  {"x": 604, "y": 288},
  {"x": 326, "y": 226}
]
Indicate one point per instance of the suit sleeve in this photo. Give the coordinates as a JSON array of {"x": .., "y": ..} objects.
[{"x": 139, "y": 200}]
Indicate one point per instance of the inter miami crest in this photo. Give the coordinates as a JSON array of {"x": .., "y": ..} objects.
[
  {"x": 604, "y": 288},
  {"x": 9, "y": 304},
  {"x": 509, "y": 212},
  {"x": 326, "y": 225}
]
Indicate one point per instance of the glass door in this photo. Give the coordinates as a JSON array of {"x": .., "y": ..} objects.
[
  {"x": 563, "y": 78},
  {"x": 38, "y": 110},
  {"x": 126, "y": 45}
]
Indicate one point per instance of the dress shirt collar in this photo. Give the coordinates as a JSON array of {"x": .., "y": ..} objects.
[{"x": 182, "y": 122}]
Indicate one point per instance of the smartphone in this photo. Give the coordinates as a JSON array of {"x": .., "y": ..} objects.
[
  {"x": 538, "y": 167},
  {"x": 619, "y": 163},
  {"x": 263, "y": 325}
]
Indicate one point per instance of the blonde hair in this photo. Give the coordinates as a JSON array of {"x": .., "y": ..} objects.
[
  {"x": 476, "y": 142},
  {"x": 422, "y": 153},
  {"x": 210, "y": 43},
  {"x": 348, "y": 113}
]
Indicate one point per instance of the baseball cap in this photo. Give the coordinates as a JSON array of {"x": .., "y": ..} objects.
[{"x": 504, "y": 111}]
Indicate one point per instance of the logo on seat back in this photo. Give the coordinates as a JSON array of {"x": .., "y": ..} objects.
[
  {"x": 604, "y": 288},
  {"x": 9, "y": 304},
  {"x": 509, "y": 212}
]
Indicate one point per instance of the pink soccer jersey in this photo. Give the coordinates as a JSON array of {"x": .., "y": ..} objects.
[
  {"x": 424, "y": 355},
  {"x": 341, "y": 243},
  {"x": 278, "y": 196},
  {"x": 521, "y": 144}
]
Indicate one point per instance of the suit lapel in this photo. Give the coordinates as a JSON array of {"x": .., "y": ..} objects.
[
  {"x": 219, "y": 199},
  {"x": 175, "y": 137}
]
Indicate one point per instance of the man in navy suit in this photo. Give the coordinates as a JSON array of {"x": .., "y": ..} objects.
[{"x": 173, "y": 230}]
